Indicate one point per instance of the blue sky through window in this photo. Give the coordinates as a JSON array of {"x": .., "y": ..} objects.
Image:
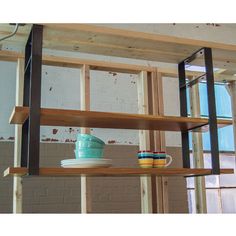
[{"x": 223, "y": 109}]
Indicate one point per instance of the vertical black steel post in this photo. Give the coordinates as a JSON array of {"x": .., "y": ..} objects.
[
  {"x": 212, "y": 111},
  {"x": 32, "y": 98},
  {"x": 184, "y": 112},
  {"x": 24, "y": 145},
  {"x": 35, "y": 99},
  {"x": 25, "y": 129}
]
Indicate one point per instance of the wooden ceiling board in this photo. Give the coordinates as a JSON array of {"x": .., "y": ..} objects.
[{"x": 89, "y": 38}]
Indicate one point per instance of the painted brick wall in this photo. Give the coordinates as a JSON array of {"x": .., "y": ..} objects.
[{"x": 62, "y": 195}]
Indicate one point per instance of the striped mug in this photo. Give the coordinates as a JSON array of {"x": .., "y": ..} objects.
[
  {"x": 145, "y": 159},
  {"x": 160, "y": 159}
]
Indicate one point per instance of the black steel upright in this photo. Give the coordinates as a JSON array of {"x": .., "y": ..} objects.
[
  {"x": 212, "y": 111},
  {"x": 184, "y": 112},
  {"x": 32, "y": 99},
  {"x": 24, "y": 148},
  {"x": 209, "y": 75}
]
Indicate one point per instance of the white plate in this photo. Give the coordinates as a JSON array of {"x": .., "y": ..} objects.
[
  {"x": 85, "y": 165},
  {"x": 92, "y": 160}
]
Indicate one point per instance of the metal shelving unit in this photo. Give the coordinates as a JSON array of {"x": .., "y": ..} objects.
[{"x": 31, "y": 116}]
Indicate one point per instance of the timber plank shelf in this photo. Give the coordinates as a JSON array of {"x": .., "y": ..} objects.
[
  {"x": 19, "y": 171},
  {"x": 61, "y": 117}
]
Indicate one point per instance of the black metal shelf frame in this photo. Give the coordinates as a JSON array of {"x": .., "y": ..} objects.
[
  {"x": 32, "y": 99},
  {"x": 207, "y": 56}
]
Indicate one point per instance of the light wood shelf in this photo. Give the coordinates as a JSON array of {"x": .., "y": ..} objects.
[
  {"x": 93, "y": 119},
  {"x": 114, "y": 171}
]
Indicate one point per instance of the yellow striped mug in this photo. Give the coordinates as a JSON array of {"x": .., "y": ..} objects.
[
  {"x": 145, "y": 159},
  {"x": 160, "y": 159}
]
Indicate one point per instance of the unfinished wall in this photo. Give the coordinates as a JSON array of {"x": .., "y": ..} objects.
[
  {"x": 109, "y": 92},
  {"x": 62, "y": 195}
]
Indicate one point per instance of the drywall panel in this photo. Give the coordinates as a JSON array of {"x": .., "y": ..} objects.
[
  {"x": 7, "y": 99},
  {"x": 171, "y": 107},
  {"x": 114, "y": 92},
  {"x": 60, "y": 89}
]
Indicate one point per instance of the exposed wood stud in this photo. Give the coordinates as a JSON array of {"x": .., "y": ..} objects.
[
  {"x": 85, "y": 93},
  {"x": 152, "y": 110},
  {"x": 198, "y": 155},
  {"x": 231, "y": 88},
  {"x": 232, "y": 91},
  {"x": 156, "y": 140},
  {"x": 85, "y": 105},
  {"x": 162, "y": 147},
  {"x": 69, "y": 62},
  {"x": 144, "y": 143},
  {"x": 17, "y": 181}
]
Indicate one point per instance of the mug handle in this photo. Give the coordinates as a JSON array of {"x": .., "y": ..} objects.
[{"x": 169, "y": 162}]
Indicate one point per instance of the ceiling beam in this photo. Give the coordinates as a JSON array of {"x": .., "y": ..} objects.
[{"x": 109, "y": 66}]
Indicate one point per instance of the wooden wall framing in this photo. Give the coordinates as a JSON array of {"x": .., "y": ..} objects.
[
  {"x": 17, "y": 181},
  {"x": 144, "y": 142},
  {"x": 198, "y": 155},
  {"x": 154, "y": 190},
  {"x": 85, "y": 105},
  {"x": 69, "y": 62},
  {"x": 232, "y": 91}
]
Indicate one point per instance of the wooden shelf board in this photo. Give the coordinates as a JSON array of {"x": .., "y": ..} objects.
[
  {"x": 94, "y": 39},
  {"x": 93, "y": 119},
  {"x": 114, "y": 171}
]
